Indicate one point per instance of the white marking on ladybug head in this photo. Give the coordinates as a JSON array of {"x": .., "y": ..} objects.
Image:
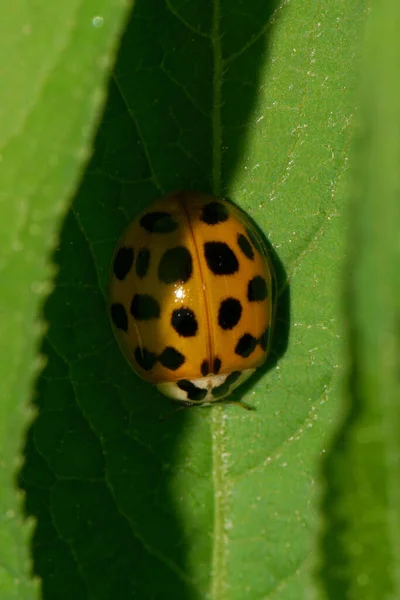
[{"x": 188, "y": 390}]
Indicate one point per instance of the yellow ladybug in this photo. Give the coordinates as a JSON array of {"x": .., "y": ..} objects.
[{"x": 192, "y": 297}]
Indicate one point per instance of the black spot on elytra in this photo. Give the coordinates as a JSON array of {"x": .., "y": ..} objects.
[
  {"x": 229, "y": 313},
  {"x": 183, "y": 320},
  {"x": 158, "y": 222},
  {"x": 257, "y": 289},
  {"x": 245, "y": 246},
  {"x": 264, "y": 339},
  {"x": 145, "y": 307},
  {"x": 119, "y": 316},
  {"x": 205, "y": 368},
  {"x": 213, "y": 213},
  {"x": 175, "y": 265},
  {"x": 222, "y": 390},
  {"x": 123, "y": 262},
  {"x": 193, "y": 392},
  {"x": 145, "y": 358},
  {"x": 246, "y": 345},
  {"x": 142, "y": 262},
  {"x": 171, "y": 359},
  {"x": 216, "y": 365},
  {"x": 221, "y": 260}
]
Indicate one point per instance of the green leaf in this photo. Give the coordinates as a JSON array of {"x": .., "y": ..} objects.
[
  {"x": 361, "y": 538},
  {"x": 249, "y": 100},
  {"x": 54, "y": 57}
]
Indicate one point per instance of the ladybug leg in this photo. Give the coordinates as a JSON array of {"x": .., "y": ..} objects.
[
  {"x": 242, "y": 404},
  {"x": 182, "y": 406}
]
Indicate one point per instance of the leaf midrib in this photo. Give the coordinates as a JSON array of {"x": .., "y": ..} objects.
[{"x": 217, "y": 418}]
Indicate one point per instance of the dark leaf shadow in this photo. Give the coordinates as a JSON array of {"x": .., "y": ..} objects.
[{"x": 98, "y": 466}]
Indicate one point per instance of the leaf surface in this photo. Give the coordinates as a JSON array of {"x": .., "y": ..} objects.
[
  {"x": 54, "y": 57},
  {"x": 361, "y": 537},
  {"x": 253, "y": 101}
]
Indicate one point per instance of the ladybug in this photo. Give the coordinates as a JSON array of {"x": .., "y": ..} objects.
[{"x": 192, "y": 297}]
